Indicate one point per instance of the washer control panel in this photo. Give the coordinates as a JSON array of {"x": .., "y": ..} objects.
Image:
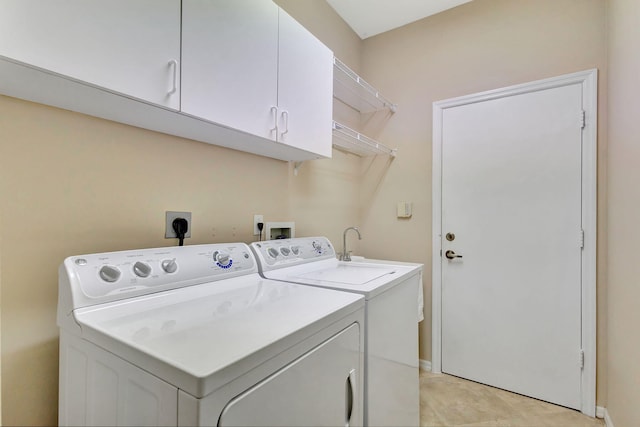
[
  {"x": 287, "y": 252},
  {"x": 133, "y": 272}
]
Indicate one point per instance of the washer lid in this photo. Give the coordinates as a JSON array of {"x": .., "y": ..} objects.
[
  {"x": 352, "y": 274},
  {"x": 201, "y": 337},
  {"x": 367, "y": 278}
]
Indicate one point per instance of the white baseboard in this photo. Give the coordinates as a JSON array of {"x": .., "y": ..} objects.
[
  {"x": 425, "y": 365},
  {"x": 607, "y": 419},
  {"x": 601, "y": 412}
]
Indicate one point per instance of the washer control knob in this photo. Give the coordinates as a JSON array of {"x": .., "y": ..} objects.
[
  {"x": 169, "y": 265},
  {"x": 141, "y": 269},
  {"x": 273, "y": 252},
  {"x": 109, "y": 273},
  {"x": 223, "y": 259},
  {"x": 285, "y": 251},
  {"x": 295, "y": 250}
]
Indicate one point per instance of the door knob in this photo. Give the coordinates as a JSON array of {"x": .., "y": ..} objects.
[{"x": 451, "y": 255}]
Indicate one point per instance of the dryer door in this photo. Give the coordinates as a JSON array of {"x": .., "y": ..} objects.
[{"x": 321, "y": 388}]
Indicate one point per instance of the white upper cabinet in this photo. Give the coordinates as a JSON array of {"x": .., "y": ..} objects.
[
  {"x": 305, "y": 89},
  {"x": 248, "y": 65},
  {"x": 230, "y": 63},
  {"x": 236, "y": 73},
  {"x": 127, "y": 46}
]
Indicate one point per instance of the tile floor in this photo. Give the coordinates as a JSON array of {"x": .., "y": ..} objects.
[{"x": 450, "y": 401}]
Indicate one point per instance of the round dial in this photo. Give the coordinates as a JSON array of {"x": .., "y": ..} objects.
[
  {"x": 273, "y": 252},
  {"x": 285, "y": 251},
  {"x": 295, "y": 250},
  {"x": 141, "y": 269},
  {"x": 109, "y": 273},
  {"x": 223, "y": 259},
  {"x": 169, "y": 265}
]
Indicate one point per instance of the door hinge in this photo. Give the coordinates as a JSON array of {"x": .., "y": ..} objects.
[
  {"x": 583, "y": 119},
  {"x": 581, "y": 359},
  {"x": 581, "y": 238}
]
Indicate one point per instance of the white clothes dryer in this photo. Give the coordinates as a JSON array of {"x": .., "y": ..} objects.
[
  {"x": 193, "y": 336},
  {"x": 391, "y": 384}
]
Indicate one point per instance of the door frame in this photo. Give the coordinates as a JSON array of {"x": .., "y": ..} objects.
[{"x": 588, "y": 80}]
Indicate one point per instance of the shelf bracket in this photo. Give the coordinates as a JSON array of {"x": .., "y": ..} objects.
[{"x": 296, "y": 167}]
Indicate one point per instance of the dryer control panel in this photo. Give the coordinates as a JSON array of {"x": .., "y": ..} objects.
[
  {"x": 288, "y": 252},
  {"x": 97, "y": 278}
]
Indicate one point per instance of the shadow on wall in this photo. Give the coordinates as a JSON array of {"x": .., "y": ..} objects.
[
  {"x": 373, "y": 123},
  {"x": 42, "y": 363},
  {"x": 373, "y": 171}
]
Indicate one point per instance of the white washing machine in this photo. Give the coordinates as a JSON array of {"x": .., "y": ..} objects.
[
  {"x": 391, "y": 385},
  {"x": 193, "y": 336}
]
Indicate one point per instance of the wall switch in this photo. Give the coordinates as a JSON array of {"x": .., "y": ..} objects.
[
  {"x": 169, "y": 232},
  {"x": 404, "y": 210},
  {"x": 256, "y": 220}
]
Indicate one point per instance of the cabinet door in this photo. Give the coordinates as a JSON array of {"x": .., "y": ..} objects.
[
  {"x": 305, "y": 89},
  {"x": 123, "y": 45},
  {"x": 321, "y": 388},
  {"x": 229, "y": 63}
]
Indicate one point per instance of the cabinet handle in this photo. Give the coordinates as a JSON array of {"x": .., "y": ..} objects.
[
  {"x": 350, "y": 396},
  {"x": 274, "y": 111},
  {"x": 285, "y": 116},
  {"x": 173, "y": 63}
]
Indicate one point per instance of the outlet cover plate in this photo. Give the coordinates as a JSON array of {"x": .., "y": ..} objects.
[{"x": 169, "y": 232}]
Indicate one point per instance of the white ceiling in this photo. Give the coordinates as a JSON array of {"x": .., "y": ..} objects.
[{"x": 370, "y": 17}]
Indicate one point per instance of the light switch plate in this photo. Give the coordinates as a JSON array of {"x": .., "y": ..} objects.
[{"x": 404, "y": 209}]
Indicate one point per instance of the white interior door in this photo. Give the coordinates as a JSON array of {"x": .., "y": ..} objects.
[{"x": 512, "y": 203}]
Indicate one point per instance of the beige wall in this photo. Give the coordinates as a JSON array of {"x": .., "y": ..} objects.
[
  {"x": 72, "y": 184},
  {"x": 624, "y": 212},
  {"x": 481, "y": 45}
]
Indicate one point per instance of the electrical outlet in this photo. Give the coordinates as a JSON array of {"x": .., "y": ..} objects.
[
  {"x": 256, "y": 220},
  {"x": 169, "y": 232}
]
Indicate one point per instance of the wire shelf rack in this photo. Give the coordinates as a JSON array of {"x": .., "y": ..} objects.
[
  {"x": 351, "y": 89},
  {"x": 347, "y": 139}
]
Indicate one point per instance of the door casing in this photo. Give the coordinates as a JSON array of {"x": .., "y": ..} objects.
[{"x": 588, "y": 81}]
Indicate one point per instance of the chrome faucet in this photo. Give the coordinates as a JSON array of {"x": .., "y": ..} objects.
[{"x": 345, "y": 255}]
